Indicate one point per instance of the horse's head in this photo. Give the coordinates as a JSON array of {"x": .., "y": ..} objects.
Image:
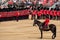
[{"x": 35, "y": 22}]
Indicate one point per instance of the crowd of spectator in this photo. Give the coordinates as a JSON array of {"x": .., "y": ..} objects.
[{"x": 25, "y": 3}]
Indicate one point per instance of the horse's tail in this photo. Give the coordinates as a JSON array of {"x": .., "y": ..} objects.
[{"x": 55, "y": 31}]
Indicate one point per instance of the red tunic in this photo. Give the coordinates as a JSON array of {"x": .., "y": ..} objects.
[
  {"x": 48, "y": 12},
  {"x": 39, "y": 14},
  {"x": 16, "y": 13},
  {"x": 58, "y": 13},
  {"x": 51, "y": 13},
  {"x": 55, "y": 13},
  {"x": 41, "y": 11},
  {"x": 46, "y": 21},
  {"x": 45, "y": 12},
  {"x": 0, "y": 15},
  {"x": 34, "y": 12}
]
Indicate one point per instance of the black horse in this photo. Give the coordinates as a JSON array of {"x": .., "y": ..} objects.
[{"x": 52, "y": 28}]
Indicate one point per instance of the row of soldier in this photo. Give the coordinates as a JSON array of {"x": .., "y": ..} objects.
[{"x": 42, "y": 13}]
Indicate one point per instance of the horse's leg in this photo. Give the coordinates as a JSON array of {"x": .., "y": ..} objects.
[
  {"x": 41, "y": 34},
  {"x": 55, "y": 31},
  {"x": 17, "y": 19}
]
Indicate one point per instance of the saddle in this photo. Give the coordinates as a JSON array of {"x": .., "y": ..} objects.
[{"x": 45, "y": 27}]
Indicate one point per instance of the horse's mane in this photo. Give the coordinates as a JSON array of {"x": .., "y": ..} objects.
[{"x": 39, "y": 21}]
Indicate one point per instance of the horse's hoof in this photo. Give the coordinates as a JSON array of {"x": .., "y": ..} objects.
[
  {"x": 53, "y": 37},
  {"x": 40, "y": 37},
  {"x": 17, "y": 20}
]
